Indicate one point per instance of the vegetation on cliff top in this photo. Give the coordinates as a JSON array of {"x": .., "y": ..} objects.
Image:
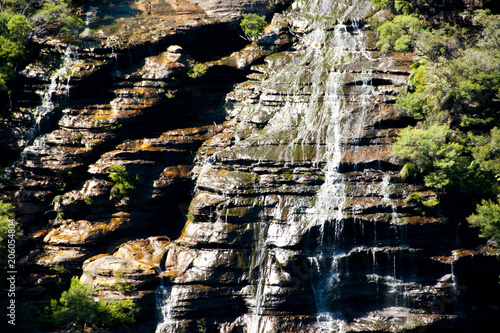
[{"x": 454, "y": 93}]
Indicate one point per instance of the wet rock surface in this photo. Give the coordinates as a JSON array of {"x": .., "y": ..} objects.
[
  {"x": 119, "y": 95},
  {"x": 232, "y": 213}
]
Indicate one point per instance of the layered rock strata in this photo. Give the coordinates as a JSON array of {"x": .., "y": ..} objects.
[
  {"x": 280, "y": 209},
  {"x": 119, "y": 95},
  {"x": 291, "y": 231}
]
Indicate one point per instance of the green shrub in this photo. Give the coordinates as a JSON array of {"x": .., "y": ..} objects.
[
  {"x": 400, "y": 6},
  {"x": 77, "y": 308},
  {"x": 487, "y": 152},
  {"x": 20, "y": 20},
  {"x": 487, "y": 219},
  {"x": 123, "y": 184},
  {"x": 399, "y": 34},
  {"x": 197, "y": 71},
  {"x": 409, "y": 171},
  {"x": 253, "y": 25}
]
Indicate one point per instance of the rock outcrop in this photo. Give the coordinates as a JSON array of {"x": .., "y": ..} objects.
[
  {"x": 120, "y": 95},
  {"x": 264, "y": 194}
]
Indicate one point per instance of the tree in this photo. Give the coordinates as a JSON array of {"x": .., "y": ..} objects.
[
  {"x": 20, "y": 21},
  {"x": 487, "y": 219},
  {"x": 443, "y": 157},
  {"x": 455, "y": 95},
  {"x": 487, "y": 152},
  {"x": 253, "y": 25},
  {"x": 76, "y": 307},
  {"x": 399, "y": 34}
]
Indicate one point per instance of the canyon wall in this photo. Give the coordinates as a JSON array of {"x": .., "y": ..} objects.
[{"x": 266, "y": 198}]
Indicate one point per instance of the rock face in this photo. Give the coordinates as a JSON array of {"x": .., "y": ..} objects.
[
  {"x": 266, "y": 198},
  {"x": 299, "y": 221},
  {"x": 120, "y": 95}
]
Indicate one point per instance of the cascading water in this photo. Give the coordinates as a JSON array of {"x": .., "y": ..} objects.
[
  {"x": 59, "y": 83},
  {"x": 321, "y": 119},
  {"x": 325, "y": 121},
  {"x": 89, "y": 18}
]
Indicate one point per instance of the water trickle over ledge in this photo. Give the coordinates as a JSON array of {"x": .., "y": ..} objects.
[{"x": 298, "y": 222}]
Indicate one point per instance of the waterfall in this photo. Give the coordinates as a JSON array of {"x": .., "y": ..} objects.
[
  {"x": 318, "y": 115},
  {"x": 59, "y": 83},
  {"x": 90, "y": 16},
  {"x": 163, "y": 294},
  {"x": 315, "y": 125}
]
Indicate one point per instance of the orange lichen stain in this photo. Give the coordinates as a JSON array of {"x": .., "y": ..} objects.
[
  {"x": 444, "y": 259},
  {"x": 170, "y": 274},
  {"x": 179, "y": 171},
  {"x": 481, "y": 250},
  {"x": 183, "y": 233},
  {"x": 93, "y": 258},
  {"x": 146, "y": 144},
  {"x": 104, "y": 114},
  {"x": 39, "y": 234}
]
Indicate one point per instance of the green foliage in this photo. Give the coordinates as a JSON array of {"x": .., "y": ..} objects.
[
  {"x": 197, "y": 71},
  {"x": 253, "y": 25},
  {"x": 409, "y": 171},
  {"x": 191, "y": 217},
  {"x": 420, "y": 205},
  {"x": 487, "y": 152},
  {"x": 399, "y": 34},
  {"x": 414, "y": 198},
  {"x": 60, "y": 186},
  {"x": 454, "y": 93},
  {"x": 487, "y": 219},
  {"x": 122, "y": 286},
  {"x": 427, "y": 148},
  {"x": 22, "y": 19},
  {"x": 401, "y": 6},
  {"x": 78, "y": 308},
  {"x": 441, "y": 44},
  {"x": 443, "y": 158},
  {"x": 57, "y": 12},
  {"x": 123, "y": 184}
]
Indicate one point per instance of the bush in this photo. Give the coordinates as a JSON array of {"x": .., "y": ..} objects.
[
  {"x": 123, "y": 184},
  {"x": 399, "y": 34},
  {"x": 487, "y": 219},
  {"x": 20, "y": 20},
  {"x": 198, "y": 70},
  {"x": 253, "y": 25},
  {"x": 77, "y": 308}
]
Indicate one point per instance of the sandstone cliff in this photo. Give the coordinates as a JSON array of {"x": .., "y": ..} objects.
[{"x": 266, "y": 195}]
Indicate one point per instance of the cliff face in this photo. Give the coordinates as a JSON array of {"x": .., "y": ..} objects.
[{"x": 296, "y": 219}]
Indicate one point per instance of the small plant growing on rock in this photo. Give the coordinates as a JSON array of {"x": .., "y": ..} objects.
[
  {"x": 253, "y": 25},
  {"x": 197, "y": 71},
  {"x": 123, "y": 184},
  {"x": 191, "y": 217}
]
